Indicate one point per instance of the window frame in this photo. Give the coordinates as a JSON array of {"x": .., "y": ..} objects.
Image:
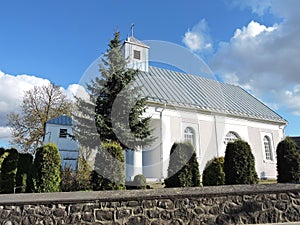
[
  {"x": 268, "y": 153},
  {"x": 230, "y": 139},
  {"x": 189, "y": 136},
  {"x": 63, "y": 133},
  {"x": 137, "y": 54}
]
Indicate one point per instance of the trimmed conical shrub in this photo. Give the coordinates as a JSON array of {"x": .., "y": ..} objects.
[
  {"x": 213, "y": 173},
  {"x": 183, "y": 170},
  {"x": 288, "y": 162},
  {"x": 109, "y": 173},
  {"x": 239, "y": 164},
  {"x": 46, "y": 176}
]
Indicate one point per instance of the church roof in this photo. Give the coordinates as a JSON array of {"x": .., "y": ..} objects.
[
  {"x": 184, "y": 90},
  {"x": 61, "y": 120},
  {"x": 133, "y": 40}
]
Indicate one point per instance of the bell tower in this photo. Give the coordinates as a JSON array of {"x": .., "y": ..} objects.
[{"x": 136, "y": 53}]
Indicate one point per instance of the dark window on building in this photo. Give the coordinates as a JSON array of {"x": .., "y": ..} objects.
[
  {"x": 63, "y": 133},
  {"x": 136, "y": 54}
]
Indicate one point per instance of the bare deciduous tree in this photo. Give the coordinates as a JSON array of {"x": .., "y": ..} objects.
[{"x": 39, "y": 105}]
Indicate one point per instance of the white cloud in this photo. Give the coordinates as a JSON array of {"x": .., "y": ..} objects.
[
  {"x": 257, "y": 6},
  {"x": 265, "y": 59},
  {"x": 252, "y": 30},
  {"x": 197, "y": 39},
  {"x": 12, "y": 89},
  {"x": 292, "y": 99},
  {"x": 5, "y": 134},
  {"x": 76, "y": 90}
]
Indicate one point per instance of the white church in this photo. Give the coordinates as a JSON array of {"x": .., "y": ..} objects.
[
  {"x": 205, "y": 112},
  {"x": 186, "y": 107}
]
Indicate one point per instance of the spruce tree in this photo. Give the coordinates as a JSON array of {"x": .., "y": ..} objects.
[
  {"x": 119, "y": 105},
  {"x": 84, "y": 121}
]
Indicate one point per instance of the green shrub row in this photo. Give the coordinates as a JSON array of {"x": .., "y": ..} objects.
[{"x": 19, "y": 173}]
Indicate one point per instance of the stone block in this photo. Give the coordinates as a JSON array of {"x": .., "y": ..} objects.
[
  {"x": 104, "y": 215},
  {"x": 133, "y": 203},
  {"x": 152, "y": 213},
  {"x": 165, "y": 204},
  {"x": 123, "y": 213},
  {"x": 138, "y": 220},
  {"x": 148, "y": 204}
]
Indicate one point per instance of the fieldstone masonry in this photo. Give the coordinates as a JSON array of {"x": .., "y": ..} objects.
[{"x": 238, "y": 204}]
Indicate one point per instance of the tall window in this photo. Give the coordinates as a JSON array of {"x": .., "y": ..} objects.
[
  {"x": 189, "y": 135},
  {"x": 268, "y": 150},
  {"x": 230, "y": 137}
]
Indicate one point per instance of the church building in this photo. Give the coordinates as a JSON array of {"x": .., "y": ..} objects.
[{"x": 205, "y": 112}]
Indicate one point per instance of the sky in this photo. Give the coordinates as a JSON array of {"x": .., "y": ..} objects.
[{"x": 253, "y": 44}]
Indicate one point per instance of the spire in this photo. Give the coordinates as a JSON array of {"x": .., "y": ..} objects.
[
  {"x": 136, "y": 52},
  {"x": 131, "y": 28}
]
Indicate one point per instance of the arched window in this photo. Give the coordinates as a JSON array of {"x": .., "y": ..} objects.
[
  {"x": 268, "y": 150},
  {"x": 231, "y": 137},
  {"x": 189, "y": 135}
]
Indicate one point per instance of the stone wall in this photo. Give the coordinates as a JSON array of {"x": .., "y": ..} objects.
[{"x": 239, "y": 204}]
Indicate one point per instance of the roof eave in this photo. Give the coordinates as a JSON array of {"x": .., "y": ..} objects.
[{"x": 282, "y": 122}]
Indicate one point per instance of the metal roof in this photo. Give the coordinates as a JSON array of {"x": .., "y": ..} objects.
[
  {"x": 185, "y": 90},
  {"x": 61, "y": 120}
]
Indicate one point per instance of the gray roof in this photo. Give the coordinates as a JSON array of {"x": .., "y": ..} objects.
[
  {"x": 184, "y": 90},
  {"x": 61, "y": 120}
]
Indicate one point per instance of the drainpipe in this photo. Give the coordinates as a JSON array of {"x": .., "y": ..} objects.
[{"x": 160, "y": 110}]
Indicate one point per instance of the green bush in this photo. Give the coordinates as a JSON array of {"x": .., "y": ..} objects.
[
  {"x": 239, "y": 165},
  {"x": 3, "y": 155},
  {"x": 68, "y": 180},
  {"x": 183, "y": 170},
  {"x": 140, "y": 182},
  {"x": 110, "y": 168},
  {"x": 47, "y": 169},
  {"x": 288, "y": 162},
  {"x": 213, "y": 173},
  {"x": 83, "y": 175},
  {"x": 8, "y": 170},
  {"x": 24, "y": 173}
]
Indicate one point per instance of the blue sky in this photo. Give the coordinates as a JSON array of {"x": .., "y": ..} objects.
[{"x": 248, "y": 43}]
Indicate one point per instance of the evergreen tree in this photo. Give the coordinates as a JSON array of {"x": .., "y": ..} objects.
[
  {"x": 119, "y": 104},
  {"x": 46, "y": 166},
  {"x": 239, "y": 164},
  {"x": 183, "y": 170},
  {"x": 213, "y": 173},
  {"x": 110, "y": 164},
  {"x": 8, "y": 170},
  {"x": 288, "y": 161},
  {"x": 84, "y": 122},
  {"x": 24, "y": 173}
]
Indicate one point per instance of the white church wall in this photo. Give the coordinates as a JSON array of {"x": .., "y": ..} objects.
[
  {"x": 208, "y": 146},
  {"x": 211, "y": 130},
  {"x": 151, "y": 155}
]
